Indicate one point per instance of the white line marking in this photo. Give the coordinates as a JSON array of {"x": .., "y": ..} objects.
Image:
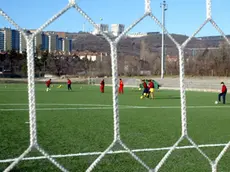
[
  {"x": 115, "y": 152},
  {"x": 53, "y": 104},
  {"x": 57, "y": 109},
  {"x": 110, "y": 107},
  {"x": 13, "y": 90}
]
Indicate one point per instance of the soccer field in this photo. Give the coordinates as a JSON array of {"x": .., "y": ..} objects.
[{"x": 81, "y": 121}]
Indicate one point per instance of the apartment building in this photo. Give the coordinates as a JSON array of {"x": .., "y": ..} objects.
[
  {"x": 102, "y": 27},
  {"x": 117, "y": 29},
  {"x": 11, "y": 39}
]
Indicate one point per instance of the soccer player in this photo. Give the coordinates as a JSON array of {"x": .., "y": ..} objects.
[
  {"x": 121, "y": 87},
  {"x": 69, "y": 84},
  {"x": 223, "y": 93},
  {"x": 151, "y": 89},
  {"x": 102, "y": 87},
  {"x": 48, "y": 83},
  {"x": 146, "y": 89}
]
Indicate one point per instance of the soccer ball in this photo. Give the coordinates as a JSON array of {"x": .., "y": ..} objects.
[
  {"x": 216, "y": 102},
  {"x": 141, "y": 97}
]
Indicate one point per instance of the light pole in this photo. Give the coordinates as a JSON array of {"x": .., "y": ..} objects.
[{"x": 164, "y": 7}]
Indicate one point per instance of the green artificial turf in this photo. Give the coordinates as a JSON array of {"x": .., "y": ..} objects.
[{"x": 82, "y": 121}]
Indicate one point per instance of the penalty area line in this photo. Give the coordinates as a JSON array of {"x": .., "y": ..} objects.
[{"x": 115, "y": 152}]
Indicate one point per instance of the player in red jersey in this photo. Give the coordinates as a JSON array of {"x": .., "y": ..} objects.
[
  {"x": 69, "y": 82},
  {"x": 151, "y": 88},
  {"x": 146, "y": 89},
  {"x": 121, "y": 87},
  {"x": 102, "y": 86},
  {"x": 223, "y": 93},
  {"x": 48, "y": 83}
]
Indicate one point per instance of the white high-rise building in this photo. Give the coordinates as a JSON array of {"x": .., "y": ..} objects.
[
  {"x": 22, "y": 43},
  {"x": 102, "y": 27},
  {"x": 53, "y": 42},
  {"x": 117, "y": 29},
  {"x": 65, "y": 44}
]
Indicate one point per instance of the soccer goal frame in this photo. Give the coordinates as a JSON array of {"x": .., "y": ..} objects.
[{"x": 113, "y": 46}]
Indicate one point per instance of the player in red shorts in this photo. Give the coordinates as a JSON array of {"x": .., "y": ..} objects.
[
  {"x": 121, "y": 87},
  {"x": 69, "y": 84},
  {"x": 48, "y": 83},
  {"x": 102, "y": 86}
]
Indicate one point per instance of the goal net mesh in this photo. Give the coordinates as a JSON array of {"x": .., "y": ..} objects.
[{"x": 113, "y": 46}]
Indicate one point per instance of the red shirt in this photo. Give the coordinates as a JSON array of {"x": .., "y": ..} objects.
[
  {"x": 102, "y": 83},
  {"x": 121, "y": 84},
  {"x": 151, "y": 84},
  {"x": 145, "y": 85},
  {"x": 69, "y": 81},
  {"x": 224, "y": 89},
  {"x": 48, "y": 83}
]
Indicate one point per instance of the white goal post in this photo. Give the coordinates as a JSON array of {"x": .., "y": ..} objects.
[{"x": 113, "y": 46}]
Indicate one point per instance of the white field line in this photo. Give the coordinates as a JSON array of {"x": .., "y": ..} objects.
[
  {"x": 52, "y": 104},
  {"x": 173, "y": 88},
  {"x": 13, "y": 90},
  {"x": 131, "y": 86},
  {"x": 115, "y": 152},
  {"x": 110, "y": 107},
  {"x": 57, "y": 109}
]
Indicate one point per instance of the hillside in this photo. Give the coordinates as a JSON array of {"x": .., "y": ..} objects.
[{"x": 131, "y": 46}]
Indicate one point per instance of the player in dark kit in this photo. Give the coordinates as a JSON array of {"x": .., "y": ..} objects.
[
  {"x": 102, "y": 86},
  {"x": 69, "y": 84},
  {"x": 48, "y": 83},
  {"x": 223, "y": 93},
  {"x": 146, "y": 89}
]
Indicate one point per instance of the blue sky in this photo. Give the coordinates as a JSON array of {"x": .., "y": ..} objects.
[{"x": 182, "y": 16}]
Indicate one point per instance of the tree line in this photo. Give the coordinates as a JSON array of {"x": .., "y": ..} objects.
[
  {"x": 14, "y": 64},
  {"x": 204, "y": 63}
]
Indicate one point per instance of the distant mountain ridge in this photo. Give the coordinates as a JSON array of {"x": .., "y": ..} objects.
[{"x": 131, "y": 46}]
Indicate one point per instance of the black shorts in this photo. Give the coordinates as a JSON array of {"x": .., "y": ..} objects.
[{"x": 146, "y": 90}]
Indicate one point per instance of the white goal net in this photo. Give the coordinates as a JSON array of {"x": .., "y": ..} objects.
[{"x": 113, "y": 45}]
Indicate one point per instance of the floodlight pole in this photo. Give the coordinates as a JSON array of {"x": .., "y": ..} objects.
[{"x": 164, "y": 7}]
